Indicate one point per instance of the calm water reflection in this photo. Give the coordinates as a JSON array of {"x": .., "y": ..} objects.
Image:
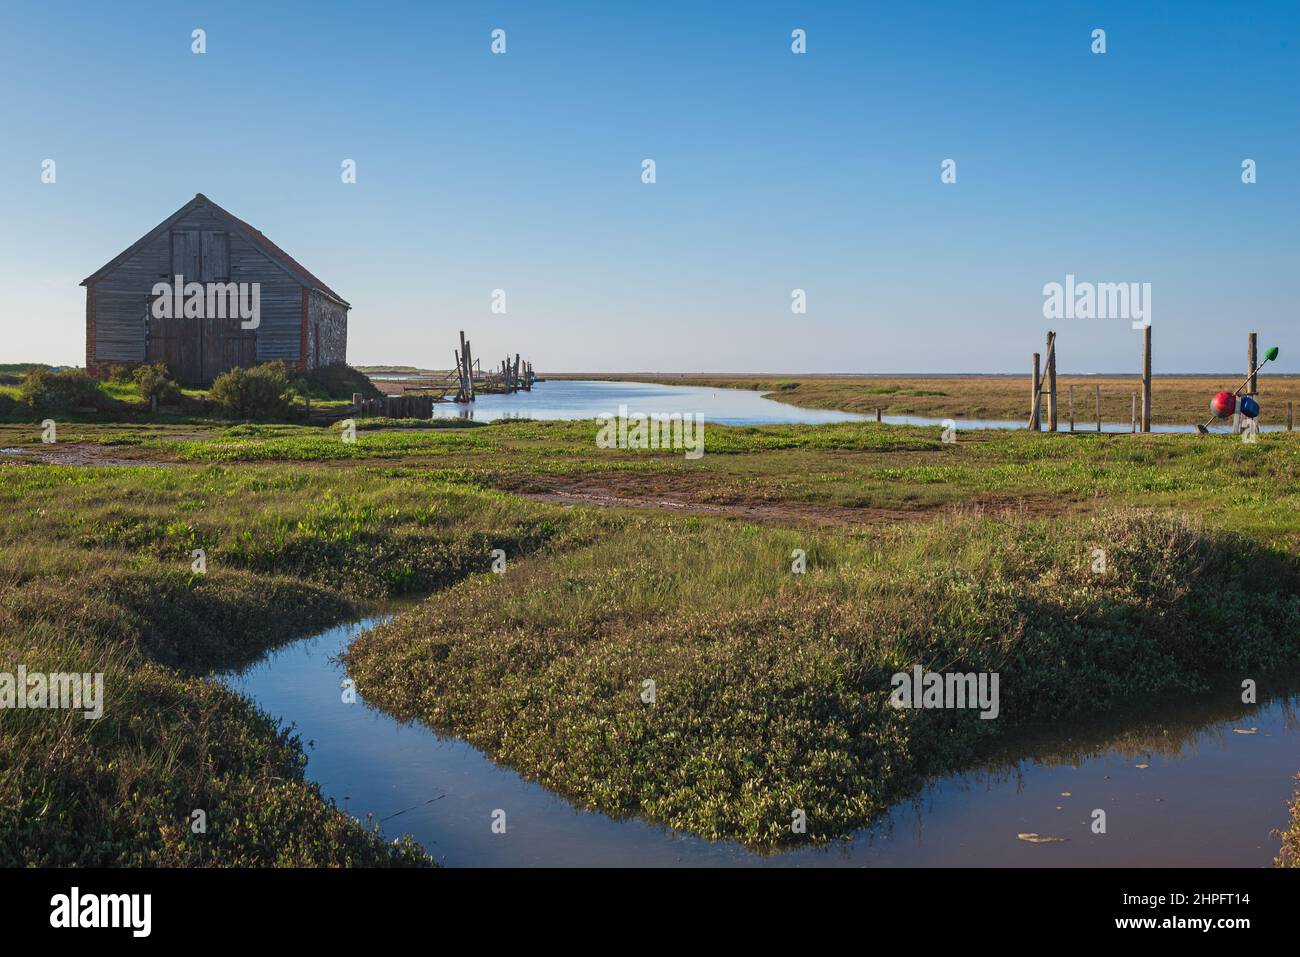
[
  {"x": 574, "y": 399},
  {"x": 583, "y": 399},
  {"x": 1209, "y": 797}
]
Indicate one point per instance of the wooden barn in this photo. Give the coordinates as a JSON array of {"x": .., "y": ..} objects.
[{"x": 299, "y": 320}]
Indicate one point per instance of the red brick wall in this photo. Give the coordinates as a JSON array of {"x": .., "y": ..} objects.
[{"x": 93, "y": 367}]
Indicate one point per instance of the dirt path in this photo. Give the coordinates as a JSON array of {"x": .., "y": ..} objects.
[{"x": 78, "y": 453}]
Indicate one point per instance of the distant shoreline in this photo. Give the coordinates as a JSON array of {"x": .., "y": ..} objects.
[
  {"x": 1176, "y": 399},
  {"x": 634, "y": 376}
]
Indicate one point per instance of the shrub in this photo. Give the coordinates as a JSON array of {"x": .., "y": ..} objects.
[
  {"x": 156, "y": 382},
  {"x": 337, "y": 381},
  {"x": 261, "y": 392},
  {"x": 20, "y": 369},
  {"x": 69, "y": 390}
]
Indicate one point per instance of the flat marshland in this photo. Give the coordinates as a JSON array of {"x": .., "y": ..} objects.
[{"x": 621, "y": 567}]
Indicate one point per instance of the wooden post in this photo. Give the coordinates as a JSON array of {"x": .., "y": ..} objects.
[
  {"x": 469, "y": 370},
  {"x": 356, "y": 399},
  {"x": 877, "y": 413},
  {"x": 1098, "y": 408},
  {"x": 462, "y": 363},
  {"x": 1035, "y": 397},
  {"x": 1251, "y": 383},
  {"x": 1290, "y": 415},
  {"x": 1071, "y": 408},
  {"x": 1253, "y": 388},
  {"x": 1051, "y": 381},
  {"x": 1135, "y": 413},
  {"x": 1146, "y": 379}
]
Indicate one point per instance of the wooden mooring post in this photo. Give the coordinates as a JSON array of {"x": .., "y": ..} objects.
[
  {"x": 1098, "y": 408},
  {"x": 1146, "y": 378},
  {"x": 463, "y": 393},
  {"x": 1252, "y": 380},
  {"x": 465, "y": 368},
  {"x": 1135, "y": 413},
  {"x": 1035, "y": 397},
  {"x": 1252, "y": 355},
  {"x": 1071, "y": 394},
  {"x": 1051, "y": 381},
  {"x": 1290, "y": 416}
]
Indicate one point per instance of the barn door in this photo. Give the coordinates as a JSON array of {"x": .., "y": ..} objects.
[
  {"x": 176, "y": 341},
  {"x": 199, "y": 350},
  {"x": 173, "y": 341},
  {"x": 226, "y": 345}
]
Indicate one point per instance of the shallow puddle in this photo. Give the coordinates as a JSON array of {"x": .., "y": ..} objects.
[{"x": 1205, "y": 785}]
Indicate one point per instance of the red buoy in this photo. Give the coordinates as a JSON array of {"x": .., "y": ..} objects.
[{"x": 1223, "y": 404}]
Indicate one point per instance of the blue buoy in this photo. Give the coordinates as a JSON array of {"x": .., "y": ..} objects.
[{"x": 1249, "y": 407}]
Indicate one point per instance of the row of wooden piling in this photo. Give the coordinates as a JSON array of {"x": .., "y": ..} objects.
[
  {"x": 471, "y": 378},
  {"x": 1290, "y": 412},
  {"x": 1043, "y": 384}
]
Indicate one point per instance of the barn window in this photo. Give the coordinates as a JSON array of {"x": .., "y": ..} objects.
[
  {"x": 201, "y": 256},
  {"x": 216, "y": 257},
  {"x": 185, "y": 254}
]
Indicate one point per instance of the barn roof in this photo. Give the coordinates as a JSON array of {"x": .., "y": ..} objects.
[{"x": 254, "y": 235}]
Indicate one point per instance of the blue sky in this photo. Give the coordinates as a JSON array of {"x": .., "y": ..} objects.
[{"x": 775, "y": 171}]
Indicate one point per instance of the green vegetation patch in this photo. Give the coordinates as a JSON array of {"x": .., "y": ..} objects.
[
  {"x": 772, "y": 688},
  {"x": 97, "y": 576}
]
